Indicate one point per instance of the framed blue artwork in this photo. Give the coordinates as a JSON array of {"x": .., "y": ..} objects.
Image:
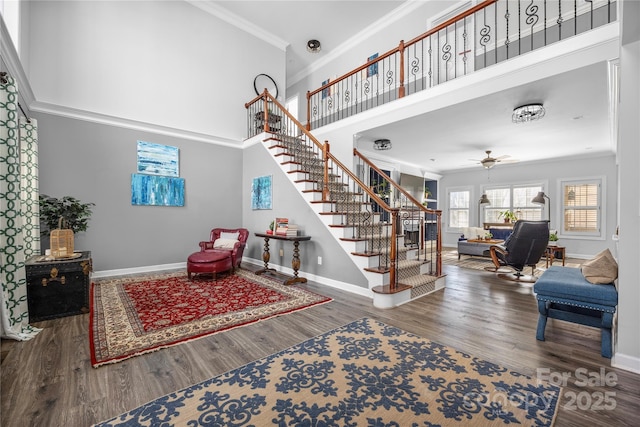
[
  {"x": 372, "y": 69},
  {"x": 158, "y": 159},
  {"x": 261, "y": 195},
  {"x": 155, "y": 190},
  {"x": 326, "y": 92}
]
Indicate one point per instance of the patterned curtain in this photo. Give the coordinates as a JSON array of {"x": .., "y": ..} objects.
[{"x": 19, "y": 238}]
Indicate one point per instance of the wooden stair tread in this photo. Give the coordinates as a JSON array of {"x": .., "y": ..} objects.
[{"x": 386, "y": 289}]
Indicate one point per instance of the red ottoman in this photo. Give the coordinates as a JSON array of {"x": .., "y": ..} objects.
[{"x": 209, "y": 262}]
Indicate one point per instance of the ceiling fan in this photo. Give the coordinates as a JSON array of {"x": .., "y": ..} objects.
[{"x": 489, "y": 162}]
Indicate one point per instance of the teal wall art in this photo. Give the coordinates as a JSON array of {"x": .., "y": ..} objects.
[
  {"x": 155, "y": 190},
  {"x": 261, "y": 193},
  {"x": 158, "y": 159}
]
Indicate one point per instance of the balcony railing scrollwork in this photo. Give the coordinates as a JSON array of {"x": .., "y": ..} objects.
[{"x": 488, "y": 33}]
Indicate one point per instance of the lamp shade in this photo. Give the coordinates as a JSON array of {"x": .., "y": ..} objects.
[
  {"x": 539, "y": 199},
  {"x": 484, "y": 200}
]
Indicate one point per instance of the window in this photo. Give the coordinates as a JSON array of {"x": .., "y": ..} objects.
[
  {"x": 516, "y": 198},
  {"x": 459, "y": 208},
  {"x": 582, "y": 207}
]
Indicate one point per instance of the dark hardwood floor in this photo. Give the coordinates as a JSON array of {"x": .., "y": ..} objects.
[{"x": 49, "y": 381}]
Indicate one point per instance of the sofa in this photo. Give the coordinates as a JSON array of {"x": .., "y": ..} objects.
[{"x": 479, "y": 248}]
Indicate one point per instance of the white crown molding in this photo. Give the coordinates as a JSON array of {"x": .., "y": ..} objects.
[
  {"x": 398, "y": 13},
  {"x": 238, "y": 21},
  {"x": 43, "y": 107},
  {"x": 14, "y": 66}
]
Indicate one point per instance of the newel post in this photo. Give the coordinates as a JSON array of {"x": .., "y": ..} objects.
[
  {"x": 401, "y": 87},
  {"x": 325, "y": 179},
  {"x": 439, "y": 243},
  {"x": 394, "y": 247}
]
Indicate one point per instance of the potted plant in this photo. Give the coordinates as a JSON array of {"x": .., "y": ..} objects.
[
  {"x": 74, "y": 213},
  {"x": 553, "y": 238},
  {"x": 427, "y": 193},
  {"x": 381, "y": 188},
  {"x": 488, "y": 235},
  {"x": 508, "y": 216},
  {"x": 271, "y": 226}
]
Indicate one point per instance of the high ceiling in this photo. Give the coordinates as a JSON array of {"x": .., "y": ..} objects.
[
  {"x": 457, "y": 136},
  {"x": 293, "y": 23}
]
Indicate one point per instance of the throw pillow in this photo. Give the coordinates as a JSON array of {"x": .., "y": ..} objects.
[
  {"x": 224, "y": 243},
  {"x": 232, "y": 236},
  {"x": 602, "y": 269}
]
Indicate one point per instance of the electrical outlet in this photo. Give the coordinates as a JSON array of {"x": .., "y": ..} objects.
[
  {"x": 319, "y": 260},
  {"x": 281, "y": 252}
]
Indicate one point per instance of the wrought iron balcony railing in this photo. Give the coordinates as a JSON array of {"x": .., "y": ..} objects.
[{"x": 488, "y": 33}]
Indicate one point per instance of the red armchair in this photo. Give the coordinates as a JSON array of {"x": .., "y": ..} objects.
[{"x": 233, "y": 240}]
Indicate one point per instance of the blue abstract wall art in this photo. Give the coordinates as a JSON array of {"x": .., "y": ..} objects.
[
  {"x": 158, "y": 159},
  {"x": 261, "y": 193},
  {"x": 155, "y": 190}
]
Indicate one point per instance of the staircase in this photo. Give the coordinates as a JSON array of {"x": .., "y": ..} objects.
[{"x": 361, "y": 221}]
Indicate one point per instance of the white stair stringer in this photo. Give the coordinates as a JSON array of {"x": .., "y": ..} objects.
[{"x": 419, "y": 285}]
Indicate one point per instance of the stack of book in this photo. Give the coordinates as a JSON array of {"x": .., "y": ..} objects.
[
  {"x": 284, "y": 228},
  {"x": 292, "y": 230},
  {"x": 281, "y": 226}
]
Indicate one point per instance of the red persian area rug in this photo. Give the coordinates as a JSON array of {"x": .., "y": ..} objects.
[{"x": 137, "y": 315}]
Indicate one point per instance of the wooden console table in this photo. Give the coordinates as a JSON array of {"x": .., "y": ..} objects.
[{"x": 295, "y": 262}]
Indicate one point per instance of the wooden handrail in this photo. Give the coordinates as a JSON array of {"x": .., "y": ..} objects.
[
  {"x": 324, "y": 147},
  {"x": 352, "y": 72},
  {"x": 436, "y": 212},
  {"x": 400, "y": 49},
  {"x": 266, "y": 95},
  {"x": 395, "y": 185}
]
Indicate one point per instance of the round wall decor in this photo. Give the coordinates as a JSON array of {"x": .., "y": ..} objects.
[{"x": 262, "y": 82}]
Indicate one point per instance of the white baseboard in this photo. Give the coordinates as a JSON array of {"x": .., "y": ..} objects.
[
  {"x": 137, "y": 270},
  {"x": 628, "y": 363},
  {"x": 178, "y": 265},
  {"x": 348, "y": 287}
]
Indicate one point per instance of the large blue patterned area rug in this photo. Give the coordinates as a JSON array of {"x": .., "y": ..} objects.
[{"x": 365, "y": 373}]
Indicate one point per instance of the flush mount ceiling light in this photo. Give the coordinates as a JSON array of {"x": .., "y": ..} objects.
[
  {"x": 313, "y": 46},
  {"x": 527, "y": 113},
  {"x": 382, "y": 144}
]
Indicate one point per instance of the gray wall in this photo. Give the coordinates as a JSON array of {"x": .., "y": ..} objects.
[
  {"x": 548, "y": 173},
  {"x": 94, "y": 163},
  {"x": 167, "y": 63},
  {"x": 289, "y": 203}
]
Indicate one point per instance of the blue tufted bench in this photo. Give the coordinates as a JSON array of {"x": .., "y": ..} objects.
[{"x": 563, "y": 293}]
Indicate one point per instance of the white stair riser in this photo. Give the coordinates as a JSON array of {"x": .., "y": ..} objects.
[{"x": 305, "y": 188}]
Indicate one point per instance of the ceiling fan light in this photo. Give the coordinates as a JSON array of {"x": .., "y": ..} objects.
[
  {"x": 528, "y": 113},
  {"x": 488, "y": 164},
  {"x": 382, "y": 144}
]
